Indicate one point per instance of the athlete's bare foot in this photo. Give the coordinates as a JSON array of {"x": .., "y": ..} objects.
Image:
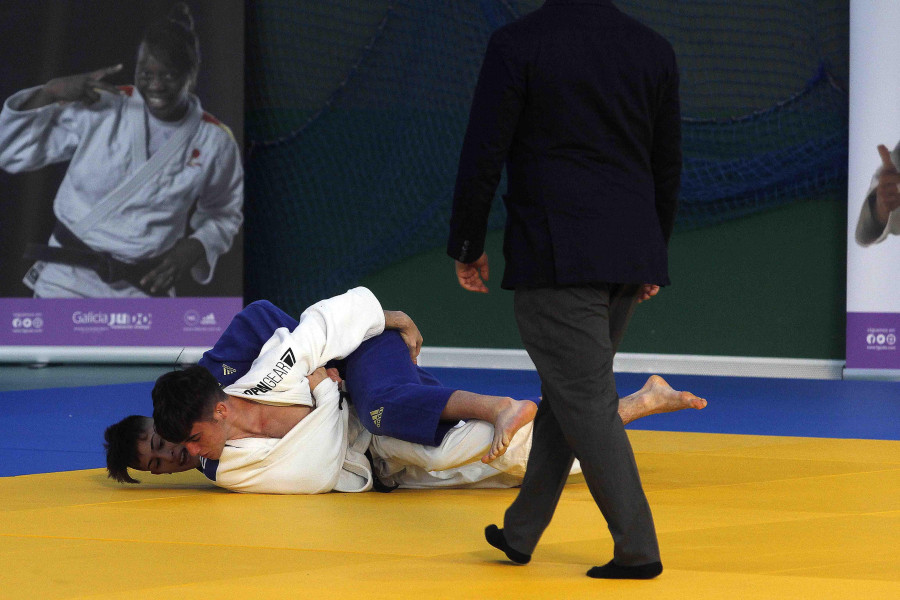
[
  {"x": 509, "y": 420},
  {"x": 657, "y": 396}
]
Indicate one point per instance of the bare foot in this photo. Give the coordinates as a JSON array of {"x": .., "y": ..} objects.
[
  {"x": 661, "y": 398},
  {"x": 509, "y": 420},
  {"x": 657, "y": 396}
]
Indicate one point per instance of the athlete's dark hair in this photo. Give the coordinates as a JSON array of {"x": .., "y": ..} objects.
[
  {"x": 180, "y": 399},
  {"x": 121, "y": 447},
  {"x": 172, "y": 40}
]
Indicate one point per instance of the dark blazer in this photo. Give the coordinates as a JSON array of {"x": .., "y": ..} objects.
[{"x": 581, "y": 103}]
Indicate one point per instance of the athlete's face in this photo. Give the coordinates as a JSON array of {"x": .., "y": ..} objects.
[
  {"x": 158, "y": 456},
  {"x": 165, "y": 89},
  {"x": 208, "y": 438}
]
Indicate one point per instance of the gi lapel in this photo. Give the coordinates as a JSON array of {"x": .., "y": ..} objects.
[{"x": 134, "y": 115}]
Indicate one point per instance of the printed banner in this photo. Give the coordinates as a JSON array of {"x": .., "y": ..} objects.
[
  {"x": 192, "y": 322},
  {"x": 873, "y": 243},
  {"x": 120, "y": 172}
]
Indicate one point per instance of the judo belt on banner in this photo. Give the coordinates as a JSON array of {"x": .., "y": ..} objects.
[{"x": 75, "y": 252}]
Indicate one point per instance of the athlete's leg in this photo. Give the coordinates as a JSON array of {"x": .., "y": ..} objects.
[{"x": 394, "y": 397}]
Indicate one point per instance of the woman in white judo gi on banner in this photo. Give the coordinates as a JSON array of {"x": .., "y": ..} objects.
[{"x": 154, "y": 187}]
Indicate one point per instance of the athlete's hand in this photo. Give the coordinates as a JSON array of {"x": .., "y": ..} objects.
[
  {"x": 887, "y": 194},
  {"x": 175, "y": 264},
  {"x": 471, "y": 276},
  {"x": 84, "y": 87},
  {"x": 316, "y": 377},
  {"x": 400, "y": 321},
  {"x": 412, "y": 337},
  {"x": 335, "y": 376}
]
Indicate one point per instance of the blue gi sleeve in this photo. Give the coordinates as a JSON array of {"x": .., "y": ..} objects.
[{"x": 242, "y": 340}]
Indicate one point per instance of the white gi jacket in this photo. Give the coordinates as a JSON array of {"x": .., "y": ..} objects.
[
  {"x": 868, "y": 230},
  {"x": 115, "y": 197},
  {"x": 317, "y": 455},
  {"x": 314, "y": 457}
]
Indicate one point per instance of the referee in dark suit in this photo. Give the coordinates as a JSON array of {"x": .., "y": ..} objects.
[{"x": 581, "y": 103}]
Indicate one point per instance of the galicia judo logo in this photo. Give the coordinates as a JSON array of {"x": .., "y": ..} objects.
[{"x": 113, "y": 320}]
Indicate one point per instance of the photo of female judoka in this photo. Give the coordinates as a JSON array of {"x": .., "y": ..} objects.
[{"x": 153, "y": 192}]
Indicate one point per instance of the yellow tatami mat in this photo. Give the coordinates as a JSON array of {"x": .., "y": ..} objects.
[{"x": 738, "y": 516}]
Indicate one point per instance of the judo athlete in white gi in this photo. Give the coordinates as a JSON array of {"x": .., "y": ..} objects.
[
  {"x": 321, "y": 449},
  {"x": 325, "y": 449},
  {"x": 133, "y": 443},
  {"x": 154, "y": 186},
  {"x": 880, "y": 213}
]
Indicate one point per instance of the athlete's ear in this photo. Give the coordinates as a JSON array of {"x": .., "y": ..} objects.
[{"x": 221, "y": 411}]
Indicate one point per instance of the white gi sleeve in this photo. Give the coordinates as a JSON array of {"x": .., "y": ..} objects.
[
  {"x": 869, "y": 231},
  {"x": 329, "y": 329},
  {"x": 219, "y": 208},
  {"x": 31, "y": 139}
]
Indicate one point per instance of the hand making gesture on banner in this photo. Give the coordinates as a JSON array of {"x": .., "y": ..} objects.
[
  {"x": 84, "y": 87},
  {"x": 887, "y": 194}
]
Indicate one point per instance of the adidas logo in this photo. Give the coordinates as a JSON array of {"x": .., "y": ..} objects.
[
  {"x": 226, "y": 370},
  {"x": 376, "y": 416}
]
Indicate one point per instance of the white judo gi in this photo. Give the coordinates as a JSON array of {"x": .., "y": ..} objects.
[
  {"x": 326, "y": 450},
  {"x": 115, "y": 197}
]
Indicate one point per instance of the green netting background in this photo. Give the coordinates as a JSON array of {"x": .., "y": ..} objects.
[{"x": 355, "y": 113}]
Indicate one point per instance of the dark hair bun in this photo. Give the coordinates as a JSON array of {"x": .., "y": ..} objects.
[
  {"x": 173, "y": 40},
  {"x": 181, "y": 14}
]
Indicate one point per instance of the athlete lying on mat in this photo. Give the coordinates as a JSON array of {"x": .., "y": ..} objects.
[
  {"x": 133, "y": 443},
  {"x": 269, "y": 355},
  {"x": 323, "y": 449}
]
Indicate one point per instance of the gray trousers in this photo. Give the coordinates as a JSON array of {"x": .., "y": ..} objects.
[{"x": 571, "y": 334}]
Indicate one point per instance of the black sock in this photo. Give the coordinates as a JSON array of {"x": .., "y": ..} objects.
[
  {"x": 495, "y": 538},
  {"x": 613, "y": 571}
]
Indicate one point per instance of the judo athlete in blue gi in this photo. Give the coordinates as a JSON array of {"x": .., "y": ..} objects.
[
  {"x": 390, "y": 393},
  {"x": 391, "y": 397}
]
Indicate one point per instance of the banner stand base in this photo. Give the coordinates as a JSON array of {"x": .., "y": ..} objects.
[
  {"x": 873, "y": 374},
  {"x": 41, "y": 356}
]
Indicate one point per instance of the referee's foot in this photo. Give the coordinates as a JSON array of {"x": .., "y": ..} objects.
[
  {"x": 613, "y": 571},
  {"x": 494, "y": 536}
]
